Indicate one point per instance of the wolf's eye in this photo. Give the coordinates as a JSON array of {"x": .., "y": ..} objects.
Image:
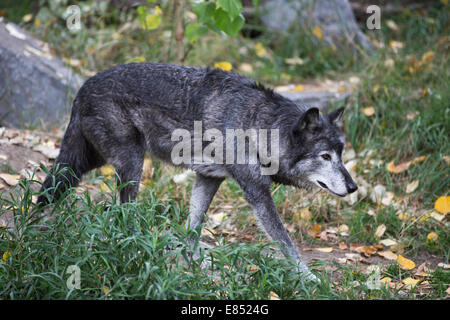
[{"x": 326, "y": 156}]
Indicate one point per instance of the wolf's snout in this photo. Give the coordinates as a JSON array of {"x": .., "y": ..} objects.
[{"x": 351, "y": 187}]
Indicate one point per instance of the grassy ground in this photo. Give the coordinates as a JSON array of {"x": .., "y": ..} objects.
[{"x": 138, "y": 250}]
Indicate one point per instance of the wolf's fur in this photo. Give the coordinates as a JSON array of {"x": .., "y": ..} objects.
[{"x": 121, "y": 112}]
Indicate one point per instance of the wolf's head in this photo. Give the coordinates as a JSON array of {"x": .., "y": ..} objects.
[{"x": 315, "y": 155}]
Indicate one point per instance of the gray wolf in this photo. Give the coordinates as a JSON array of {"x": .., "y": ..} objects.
[{"x": 123, "y": 111}]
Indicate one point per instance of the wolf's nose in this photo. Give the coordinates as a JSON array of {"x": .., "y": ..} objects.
[{"x": 352, "y": 187}]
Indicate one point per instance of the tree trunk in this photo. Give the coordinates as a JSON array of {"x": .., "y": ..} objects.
[{"x": 179, "y": 30}]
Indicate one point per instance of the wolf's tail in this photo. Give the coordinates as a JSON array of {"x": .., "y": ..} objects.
[{"x": 73, "y": 161}]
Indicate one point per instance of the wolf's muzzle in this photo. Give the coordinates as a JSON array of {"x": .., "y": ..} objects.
[{"x": 351, "y": 187}]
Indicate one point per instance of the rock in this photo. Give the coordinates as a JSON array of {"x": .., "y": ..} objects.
[
  {"x": 335, "y": 18},
  {"x": 318, "y": 99},
  {"x": 378, "y": 193},
  {"x": 34, "y": 84},
  {"x": 348, "y": 155}
]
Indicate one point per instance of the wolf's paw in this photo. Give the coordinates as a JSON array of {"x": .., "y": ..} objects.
[
  {"x": 309, "y": 276},
  {"x": 306, "y": 274}
]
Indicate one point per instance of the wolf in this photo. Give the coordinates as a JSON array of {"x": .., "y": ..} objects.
[{"x": 122, "y": 112}]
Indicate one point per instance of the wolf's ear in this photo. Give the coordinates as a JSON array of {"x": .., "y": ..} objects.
[
  {"x": 309, "y": 121},
  {"x": 336, "y": 116}
]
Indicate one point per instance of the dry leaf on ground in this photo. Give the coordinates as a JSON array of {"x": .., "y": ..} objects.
[
  {"x": 405, "y": 263},
  {"x": 366, "y": 250},
  {"x": 224, "y": 65},
  {"x": 432, "y": 237},
  {"x": 274, "y": 296},
  {"x": 442, "y": 204},
  {"x": 10, "y": 179},
  {"x": 388, "y": 242},
  {"x": 442, "y": 265},
  {"x": 107, "y": 170},
  {"x": 380, "y": 230},
  {"x": 314, "y": 230},
  {"x": 389, "y": 255},
  {"x": 298, "y": 88},
  {"x": 412, "y": 186},
  {"x": 437, "y": 216},
  {"x": 391, "y": 167},
  {"x": 410, "y": 282},
  {"x": 369, "y": 111}
]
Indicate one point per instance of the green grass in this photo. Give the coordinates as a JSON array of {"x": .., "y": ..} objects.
[{"x": 138, "y": 251}]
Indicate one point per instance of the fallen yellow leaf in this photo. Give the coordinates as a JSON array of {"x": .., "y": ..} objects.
[
  {"x": 317, "y": 31},
  {"x": 427, "y": 56},
  {"x": 369, "y": 111},
  {"x": 392, "y": 25},
  {"x": 432, "y": 237},
  {"x": 6, "y": 255},
  {"x": 442, "y": 204},
  {"x": 418, "y": 159},
  {"x": 386, "y": 280},
  {"x": 396, "y": 44},
  {"x": 405, "y": 263},
  {"x": 274, "y": 296},
  {"x": 224, "y": 65},
  {"x": 107, "y": 170},
  {"x": 410, "y": 282},
  {"x": 298, "y": 88},
  {"x": 104, "y": 187},
  {"x": 391, "y": 167},
  {"x": 260, "y": 50},
  {"x": 106, "y": 290}
]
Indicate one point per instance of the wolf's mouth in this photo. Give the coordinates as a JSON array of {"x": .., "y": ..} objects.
[{"x": 323, "y": 185}]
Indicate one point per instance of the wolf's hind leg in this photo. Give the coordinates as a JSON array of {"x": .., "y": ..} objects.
[
  {"x": 128, "y": 164},
  {"x": 76, "y": 154},
  {"x": 203, "y": 192}
]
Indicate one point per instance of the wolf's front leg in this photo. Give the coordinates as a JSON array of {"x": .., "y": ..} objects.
[
  {"x": 203, "y": 192},
  {"x": 266, "y": 212}
]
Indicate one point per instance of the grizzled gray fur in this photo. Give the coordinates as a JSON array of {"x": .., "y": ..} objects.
[{"x": 121, "y": 112}]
